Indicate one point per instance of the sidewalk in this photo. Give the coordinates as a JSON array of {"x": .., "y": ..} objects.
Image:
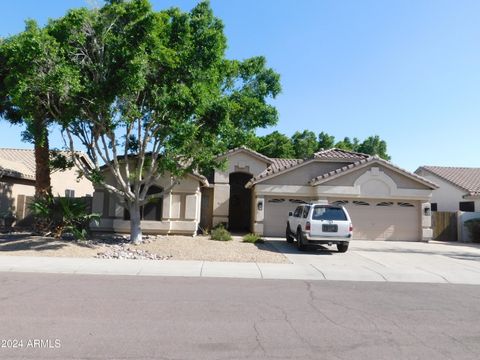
[{"x": 363, "y": 263}]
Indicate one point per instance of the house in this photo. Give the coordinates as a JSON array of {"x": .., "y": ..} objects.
[
  {"x": 458, "y": 188},
  {"x": 17, "y": 181},
  {"x": 255, "y": 193}
]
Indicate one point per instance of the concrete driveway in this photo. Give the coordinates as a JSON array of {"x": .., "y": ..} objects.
[
  {"x": 391, "y": 261},
  {"x": 365, "y": 261}
]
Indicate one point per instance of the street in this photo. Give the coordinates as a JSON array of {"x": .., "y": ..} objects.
[{"x": 126, "y": 317}]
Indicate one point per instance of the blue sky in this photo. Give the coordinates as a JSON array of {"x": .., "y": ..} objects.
[{"x": 406, "y": 70}]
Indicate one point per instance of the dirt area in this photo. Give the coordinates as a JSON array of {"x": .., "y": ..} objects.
[{"x": 167, "y": 247}]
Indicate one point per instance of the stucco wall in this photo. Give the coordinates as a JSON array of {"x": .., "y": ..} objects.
[
  {"x": 63, "y": 180},
  {"x": 10, "y": 189},
  {"x": 301, "y": 175},
  {"x": 242, "y": 162},
  {"x": 403, "y": 182},
  {"x": 180, "y": 209},
  {"x": 447, "y": 196}
]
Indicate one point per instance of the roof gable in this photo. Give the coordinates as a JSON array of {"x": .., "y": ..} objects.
[
  {"x": 366, "y": 162},
  {"x": 467, "y": 179},
  {"x": 248, "y": 151}
]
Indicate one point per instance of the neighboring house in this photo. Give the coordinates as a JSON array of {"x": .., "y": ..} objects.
[
  {"x": 458, "y": 187},
  {"x": 17, "y": 181},
  {"x": 255, "y": 193}
]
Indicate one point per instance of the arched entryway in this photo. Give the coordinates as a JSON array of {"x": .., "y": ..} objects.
[{"x": 239, "y": 216}]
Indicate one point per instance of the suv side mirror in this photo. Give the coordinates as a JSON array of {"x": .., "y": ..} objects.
[{"x": 290, "y": 213}]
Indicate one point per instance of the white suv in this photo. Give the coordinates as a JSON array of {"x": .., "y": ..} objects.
[{"x": 320, "y": 224}]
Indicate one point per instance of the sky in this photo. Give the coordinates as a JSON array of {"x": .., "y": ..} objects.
[{"x": 406, "y": 70}]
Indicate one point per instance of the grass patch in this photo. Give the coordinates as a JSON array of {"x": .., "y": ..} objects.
[
  {"x": 253, "y": 239},
  {"x": 220, "y": 234}
]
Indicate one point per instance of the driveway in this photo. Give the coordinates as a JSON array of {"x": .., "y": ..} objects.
[{"x": 391, "y": 261}]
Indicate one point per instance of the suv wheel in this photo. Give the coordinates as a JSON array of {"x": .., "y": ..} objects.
[
  {"x": 300, "y": 244},
  {"x": 288, "y": 234},
  {"x": 342, "y": 247}
]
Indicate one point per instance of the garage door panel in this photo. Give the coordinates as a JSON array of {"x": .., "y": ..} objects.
[
  {"x": 276, "y": 214},
  {"x": 389, "y": 222}
]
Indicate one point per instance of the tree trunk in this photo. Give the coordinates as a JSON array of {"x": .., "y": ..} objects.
[
  {"x": 135, "y": 226},
  {"x": 42, "y": 159}
]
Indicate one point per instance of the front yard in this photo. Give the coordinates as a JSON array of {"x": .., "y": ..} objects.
[{"x": 157, "y": 247}]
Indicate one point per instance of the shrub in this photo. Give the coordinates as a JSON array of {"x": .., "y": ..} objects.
[
  {"x": 473, "y": 226},
  {"x": 64, "y": 215},
  {"x": 220, "y": 234},
  {"x": 252, "y": 238}
]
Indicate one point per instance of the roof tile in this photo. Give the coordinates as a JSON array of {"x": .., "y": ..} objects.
[{"x": 466, "y": 178}]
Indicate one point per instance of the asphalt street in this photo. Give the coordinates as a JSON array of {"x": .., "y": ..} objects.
[{"x": 58, "y": 316}]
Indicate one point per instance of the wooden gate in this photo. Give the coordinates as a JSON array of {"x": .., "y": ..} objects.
[{"x": 444, "y": 225}]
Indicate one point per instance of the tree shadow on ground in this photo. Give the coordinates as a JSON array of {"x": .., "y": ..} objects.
[{"x": 291, "y": 248}]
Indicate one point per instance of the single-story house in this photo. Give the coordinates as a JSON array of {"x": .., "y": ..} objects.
[
  {"x": 255, "y": 193},
  {"x": 17, "y": 181},
  {"x": 458, "y": 187}
]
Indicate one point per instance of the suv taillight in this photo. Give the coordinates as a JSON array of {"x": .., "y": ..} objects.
[
  {"x": 307, "y": 226},
  {"x": 351, "y": 228}
]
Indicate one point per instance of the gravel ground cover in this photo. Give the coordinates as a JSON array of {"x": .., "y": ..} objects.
[{"x": 152, "y": 248}]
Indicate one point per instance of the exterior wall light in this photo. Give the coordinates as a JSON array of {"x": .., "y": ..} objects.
[{"x": 260, "y": 206}]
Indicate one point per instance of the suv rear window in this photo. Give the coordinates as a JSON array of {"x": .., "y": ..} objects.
[{"x": 328, "y": 213}]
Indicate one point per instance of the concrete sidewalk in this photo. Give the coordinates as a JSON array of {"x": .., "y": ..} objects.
[{"x": 365, "y": 261}]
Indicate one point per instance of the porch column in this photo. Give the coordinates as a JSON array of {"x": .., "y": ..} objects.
[
  {"x": 258, "y": 214},
  {"x": 426, "y": 220}
]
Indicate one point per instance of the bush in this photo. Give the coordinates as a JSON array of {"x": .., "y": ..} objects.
[
  {"x": 220, "y": 234},
  {"x": 473, "y": 226},
  {"x": 64, "y": 215},
  {"x": 252, "y": 238}
]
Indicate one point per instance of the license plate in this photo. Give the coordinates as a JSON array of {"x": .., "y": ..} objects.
[{"x": 329, "y": 228}]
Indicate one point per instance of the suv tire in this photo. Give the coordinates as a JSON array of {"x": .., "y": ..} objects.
[
  {"x": 288, "y": 235},
  {"x": 300, "y": 244},
  {"x": 342, "y": 247}
]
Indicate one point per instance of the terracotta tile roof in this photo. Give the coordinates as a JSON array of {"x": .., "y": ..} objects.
[
  {"x": 465, "y": 178},
  {"x": 244, "y": 148},
  {"x": 21, "y": 162},
  {"x": 278, "y": 165},
  {"x": 369, "y": 159},
  {"x": 18, "y": 162},
  {"x": 339, "y": 154}
]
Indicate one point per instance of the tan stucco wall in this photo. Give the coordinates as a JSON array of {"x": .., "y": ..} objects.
[
  {"x": 301, "y": 175},
  {"x": 10, "y": 189},
  {"x": 180, "y": 210},
  {"x": 63, "y": 180},
  {"x": 447, "y": 196},
  {"x": 240, "y": 161},
  {"x": 403, "y": 182}
]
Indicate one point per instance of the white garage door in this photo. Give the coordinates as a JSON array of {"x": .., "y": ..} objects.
[
  {"x": 276, "y": 214},
  {"x": 384, "y": 219}
]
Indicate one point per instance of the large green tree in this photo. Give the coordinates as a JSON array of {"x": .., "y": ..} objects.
[
  {"x": 157, "y": 96},
  {"x": 276, "y": 145},
  {"x": 373, "y": 145},
  {"x": 304, "y": 144},
  {"x": 33, "y": 80}
]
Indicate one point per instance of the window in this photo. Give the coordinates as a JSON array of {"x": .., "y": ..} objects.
[
  {"x": 298, "y": 211},
  {"x": 69, "y": 193},
  {"x": 405, "y": 204},
  {"x": 433, "y": 206},
  {"x": 151, "y": 211},
  {"x": 306, "y": 209},
  {"x": 340, "y": 202},
  {"x": 468, "y": 206},
  {"x": 361, "y": 203},
  {"x": 276, "y": 200},
  {"x": 297, "y": 201},
  {"x": 385, "y": 203},
  {"x": 328, "y": 213}
]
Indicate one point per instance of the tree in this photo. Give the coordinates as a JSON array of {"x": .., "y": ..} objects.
[
  {"x": 347, "y": 144},
  {"x": 304, "y": 144},
  {"x": 32, "y": 82},
  {"x": 373, "y": 145},
  {"x": 276, "y": 145},
  {"x": 157, "y": 97},
  {"x": 325, "y": 141}
]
